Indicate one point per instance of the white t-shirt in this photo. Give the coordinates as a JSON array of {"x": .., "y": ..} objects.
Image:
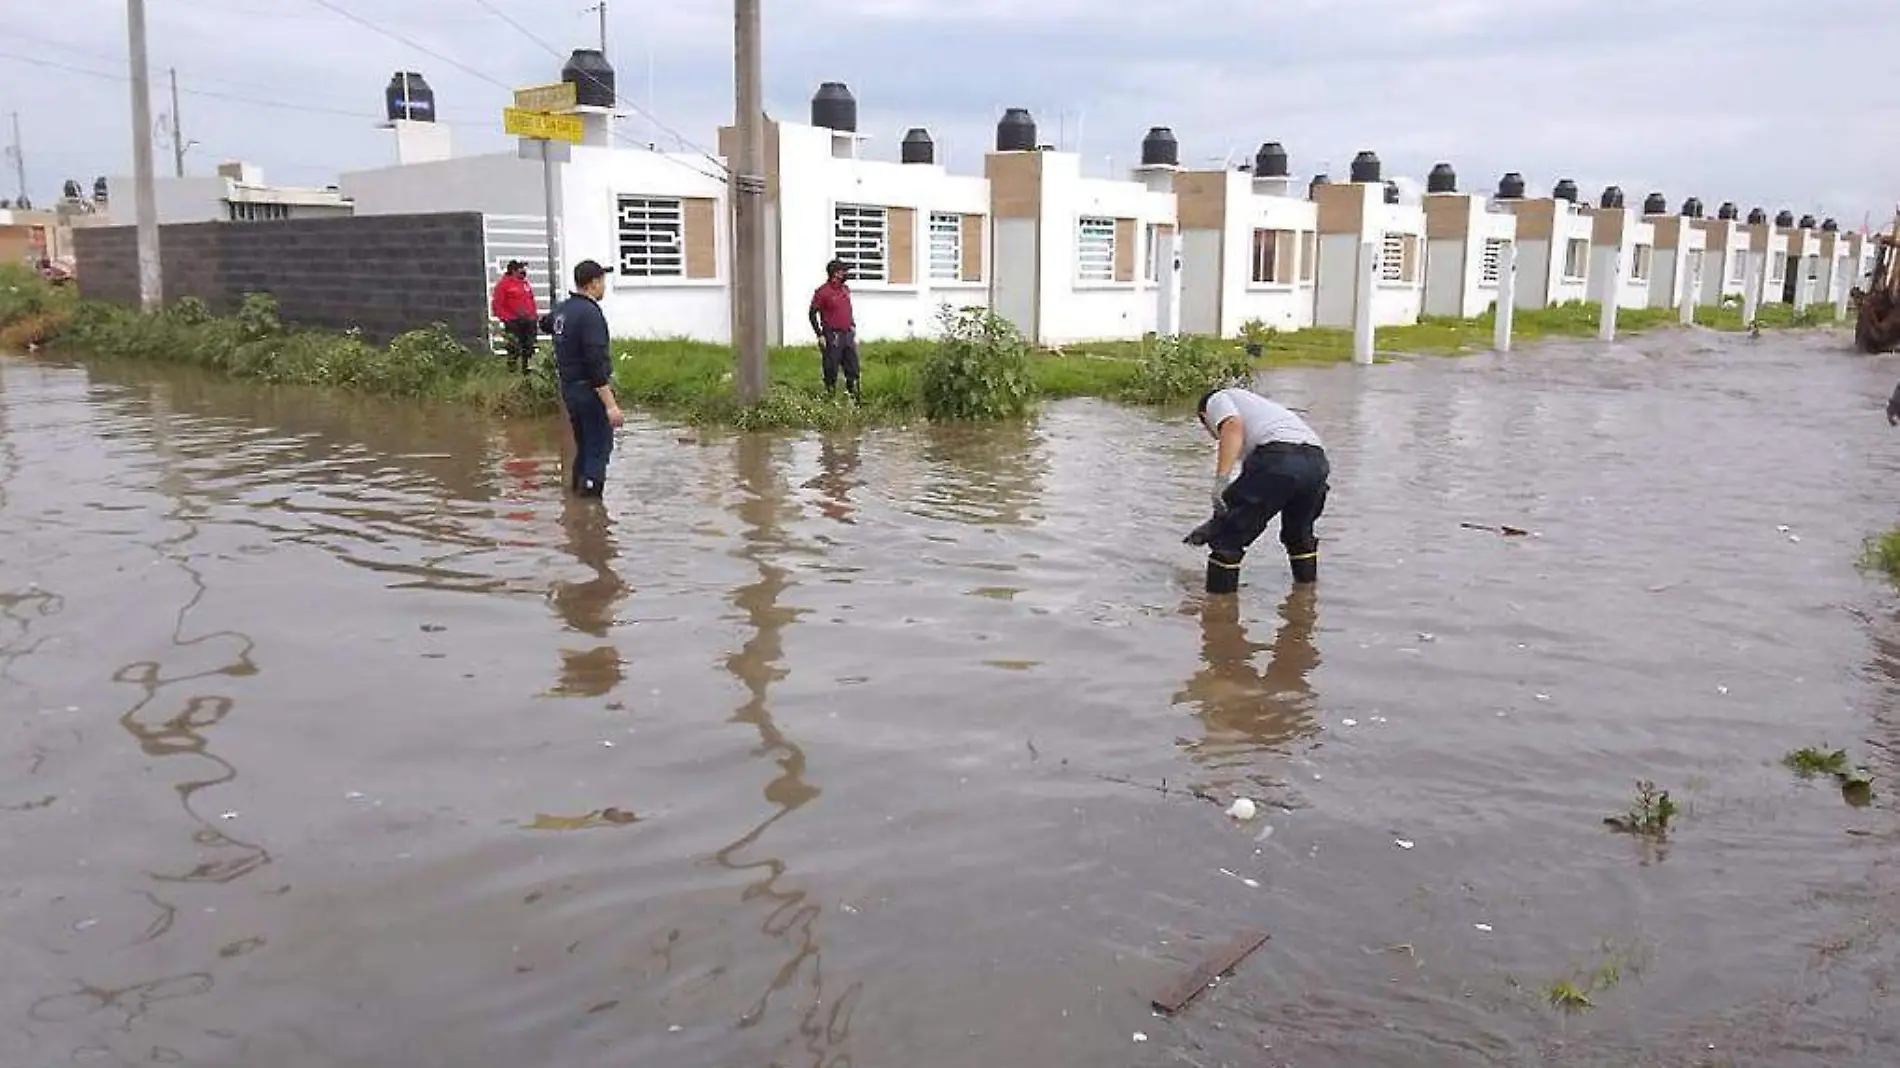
[{"x": 1263, "y": 420}]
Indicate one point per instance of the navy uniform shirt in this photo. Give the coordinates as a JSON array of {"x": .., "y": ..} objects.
[{"x": 582, "y": 353}]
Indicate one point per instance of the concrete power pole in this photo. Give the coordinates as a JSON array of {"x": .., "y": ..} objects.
[
  {"x": 602, "y": 8},
  {"x": 748, "y": 208},
  {"x": 151, "y": 286},
  {"x": 19, "y": 158},
  {"x": 178, "y": 130}
]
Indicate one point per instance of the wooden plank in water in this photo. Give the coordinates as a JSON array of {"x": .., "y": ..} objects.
[{"x": 1216, "y": 964}]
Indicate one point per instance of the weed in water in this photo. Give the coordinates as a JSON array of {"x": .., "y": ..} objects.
[
  {"x": 1882, "y": 553},
  {"x": 1566, "y": 996},
  {"x": 1808, "y": 761},
  {"x": 1175, "y": 369},
  {"x": 979, "y": 369},
  {"x": 1651, "y": 814}
]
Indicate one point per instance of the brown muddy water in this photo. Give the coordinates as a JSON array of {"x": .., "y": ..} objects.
[{"x": 331, "y": 736}]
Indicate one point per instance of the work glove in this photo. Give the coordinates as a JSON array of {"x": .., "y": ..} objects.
[
  {"x": 1199, "y": 535},
  {"x": 1221, "y": 482}
]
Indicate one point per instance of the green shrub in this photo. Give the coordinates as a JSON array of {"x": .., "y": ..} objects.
[
  {"x": 257, "y": 316},
  {"x": 979, "y": 368},
  {"x": 1181, "y": 368},
  {"x": 190, "y": 311}
]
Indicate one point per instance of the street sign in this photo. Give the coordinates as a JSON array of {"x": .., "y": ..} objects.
[
  {"x": 560, "y": 96},
  {"x": 544, "y": 127}
]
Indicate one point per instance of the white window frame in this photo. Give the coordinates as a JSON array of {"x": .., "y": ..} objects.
[
  {"x": 1272, "y": 263},
  {"x": 1738, "y": 265},
  {"x": 1151, "y": 271},
  {"x": 649, "y": 237},
  {"x": 1582, "y": 273},
  {"x": 1094, "y": 249},
  {"x": 1490, "y": 261},
  {"x": 1642, "y": 262},
  {"x": 946, "y": 246},
  {"x": 1778, "y": 270},
  {"x": 1392, "y": 258},
  {"x": 861, "y": 240}
]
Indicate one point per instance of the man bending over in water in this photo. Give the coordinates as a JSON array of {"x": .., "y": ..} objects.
[{"x": 1269, "y": 463}]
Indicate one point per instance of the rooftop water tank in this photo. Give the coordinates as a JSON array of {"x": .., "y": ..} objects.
[
  {"x": 1612, "y": 196},
  {"x": 1565, "y": 190},
  {"x": 1271, "y": 161},
  {"x": 409, "y": 97},
  {"x": 593, "y": 78},
  {"x": 1756, "y": 216},
  {"x": 1159, "y": 148},
  {"x": 1830, "y": 227},
  {"x": 1365, "y": 167},
  {"x": 1784, "y": 218},
  {"x": 834, "y": 108},
  {"x": 99, "y": 189},
  {"x": 70, "y": 190},
  {"x": 1442, "y": 179},
  {"x": 1692, "y": 207},
  {"x": 1312, "y": 187},
  {"x": 917, "y": 146},
  {"x": 1016, "y": 132},
  {"x": 1511, "y": 186},
  {"x": 1807, "y": 222},
  {"x": 1391, "y": 192},
  {"x": 1728, "y": 210},
  {"x": 1655, "y": 204}
]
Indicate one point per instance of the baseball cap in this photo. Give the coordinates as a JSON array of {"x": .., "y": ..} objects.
[
  {"x": 586, "y": 271},
  {"x": 514, "y": 265}
]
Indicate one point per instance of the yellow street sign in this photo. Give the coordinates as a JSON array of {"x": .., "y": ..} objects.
[
  {"x": 560, "y": 96},
  {"x": 544, "y": 127}
]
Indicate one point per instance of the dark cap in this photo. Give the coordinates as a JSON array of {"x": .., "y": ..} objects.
[
  {"x": 515, "y": 265},
  {"x": 586, "y": 271},
  {"x": 836, "y": 266}
]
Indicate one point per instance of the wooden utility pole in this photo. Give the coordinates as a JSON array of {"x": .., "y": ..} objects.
[
  {"x": 748, "y": 209},
  {"x": 151, "y": 284}
]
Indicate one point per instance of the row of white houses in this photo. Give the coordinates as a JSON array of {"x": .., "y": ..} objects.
[{"x": 1067, "y": 257}]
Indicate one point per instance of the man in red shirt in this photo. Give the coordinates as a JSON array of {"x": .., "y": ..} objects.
[
  {"x": 513, "y": 304},
  {"x": 837, "y": 331}
]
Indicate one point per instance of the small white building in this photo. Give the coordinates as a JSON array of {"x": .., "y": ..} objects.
[
  {"x": 1770, "y": 243},
  {"x": 1465, "y": 243},
  {"x": 1725, "y": 256},
  {"x": 1861, "y": 253},
  {"x": 1076, "y": 258},
  {"x": 1835, "y": 273},
  {"x": 1249, "y": 248},
  {"x": 1804, "y": 263},
  {"x": 1553, "y": 245},
  {"x": 1679, "y": 256},
  {"x": 1622, "y": 253},
  {"x": 1365, "y": 211},
  {"x": 236, "y": 193}
]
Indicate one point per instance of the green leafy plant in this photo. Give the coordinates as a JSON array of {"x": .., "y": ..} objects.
[
  {"x": 979, "y": 368},
  {"x": 1182, "y": 367},
  {"x": 257, "y": 316},
  {"x": 1881, "y": 553},
  {"x": 1567, "y": 996},
  {"x": 189, "y": 311},
  {"x": 1650, "y": 815},
  {"x": 1808, "y": 761}
]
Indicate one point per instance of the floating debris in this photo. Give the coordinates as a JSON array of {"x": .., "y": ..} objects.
[
  {"x": 1403, "y": 843},
  {"x": 604, "y": 817},
  {"x": 1650, "y": 816},
  {"x": 1243, "y": 809},
  {"x": 1203, "y": 975},
  {"x": 1507, "y": 531}
]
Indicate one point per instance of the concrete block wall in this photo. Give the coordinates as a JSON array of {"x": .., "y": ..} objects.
[{"x": 382, "y": 274}]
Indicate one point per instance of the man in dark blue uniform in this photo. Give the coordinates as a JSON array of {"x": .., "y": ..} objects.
[{"x": 583, "y": 358}]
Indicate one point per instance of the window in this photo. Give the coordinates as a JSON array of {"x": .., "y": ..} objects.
[
  {"x": 1781, "y": 267},
  {"x": 246, "y": 211},
  {"x": 1392, "y": 258},
  {"x": 859, "y": 241},
  {"x": 1737, "y": 265},
  {"x": 1491, "y": 261},
  {"x": 1272, "y": 256},
  {"x": 1641, "y": 261},
  {"x": 1309, "y": 254},
  {"x": 946, "y": 246},
  {"x": 649, "y": 230},
  {"x": 1151, "y": 270},
  {"x": 1094, "y": 249},
  {"x": 1576, "y": 259}
]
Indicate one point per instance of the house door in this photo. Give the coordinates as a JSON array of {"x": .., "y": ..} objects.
[{"x": 1167, "y": 281}]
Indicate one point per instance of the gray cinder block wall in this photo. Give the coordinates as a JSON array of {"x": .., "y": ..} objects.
[{"x": 382, "y": 274}]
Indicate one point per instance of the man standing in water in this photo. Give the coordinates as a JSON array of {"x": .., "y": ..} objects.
[
  {"x": 837, "y": 330},
  {"x": 583, "y": 358},
  {"x": 1269, "y": 463}
]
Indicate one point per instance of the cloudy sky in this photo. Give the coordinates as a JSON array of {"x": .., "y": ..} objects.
[{"x": 1775, "y": 103}]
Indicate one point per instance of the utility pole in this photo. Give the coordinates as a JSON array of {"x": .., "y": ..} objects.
[
  {"x": 19, "y": 158},
  {"x": 748, "y": 208},
  {"x": 178, "y": 130},
  {"x": 602, "y": 8},
  {"x": 151, "y": 286}
]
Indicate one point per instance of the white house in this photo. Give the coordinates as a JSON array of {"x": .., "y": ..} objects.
[
  {"x": 1861, "y": 252},
  {"x": 1364, "y": 212},
  {"x": 1248, "y": 248},
  {"x": 1804, "y": 263},
  {"x": 1835, "y": 265},
  {"x": 1464, "y": 248},
  {"x": 1770, "y": 243},
  {"x": 1679, "y": 256},
  {"x": 1725, "y": 256},
  {"x": 1076, "y": 258},
  {"x": 236, "y": 193},
  {"x": 1553, "y": 244},
  {"x": 1622, "y": 253}
]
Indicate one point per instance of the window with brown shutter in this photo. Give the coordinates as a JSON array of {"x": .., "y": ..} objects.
[
  {"x": 972, "y": 248},
  {"x": 903, "y": 238},
  {"x": 1124, "y": 250},
  {"x": 702, "y": 237}
]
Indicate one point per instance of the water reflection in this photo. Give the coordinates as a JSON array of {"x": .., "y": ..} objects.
[
  {"x": 1245, "y": 709},
  {"x": 588, "y": 607},
  {"x": 838, "y": 463},
  {"x": 987, "y": 474},
  {"x": 792, "y": 916}
]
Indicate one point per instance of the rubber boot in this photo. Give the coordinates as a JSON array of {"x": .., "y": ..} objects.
[
  {"x": 1223, "y": 571},
  {"x": 1305, "y": 564}
]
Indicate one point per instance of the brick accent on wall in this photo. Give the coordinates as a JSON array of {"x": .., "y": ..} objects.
[{"x": 382, "y": 274}]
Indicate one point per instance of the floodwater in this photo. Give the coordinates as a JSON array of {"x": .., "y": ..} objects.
[{"x": 330, "y": 735}]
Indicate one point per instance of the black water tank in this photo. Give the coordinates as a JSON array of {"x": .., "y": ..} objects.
[
  {"x": 99, "y": 189},
  {"x": 593, "y": 78},
  {"x": 1511, "y": 186},
  {"x": 70, "y": 190},
  {"x": 834, "y": 108},
  {"x": 1391, "y": 192},
  {"x": 1784, "y": 218},
  {"x": 1565, "y": 190},
  {"x": 1807, "y": 222},
  {"x": 1271, "y": 161},
  {"x": 917, "y": 146},
  {"x": 1365, "y": 167},
  {"x": 408, "y": 96},
  {"x": 1830, "y": 227},
  {"x": 1442, "y": 179},
  {"x": 1655, "y": 204},
  {"x": 1728, "y": 210},
  {"x": 1016, "y": 132},
  {"x": 1312, "y": 187},
  {"x": 1160, "y": 149},
  {"x": 1756, "y": 216},
  {"x": 1692, "y": 207},
  {"x": 1612, "y": 196}
]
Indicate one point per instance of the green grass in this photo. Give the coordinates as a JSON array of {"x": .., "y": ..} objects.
[{"x": 1882, "y": 553}]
